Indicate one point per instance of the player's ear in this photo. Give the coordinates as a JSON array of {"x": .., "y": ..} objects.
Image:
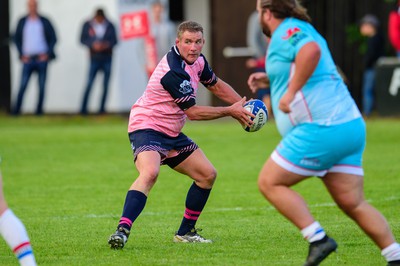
[
  {"x": 176, "y": 41},
  {"x": 268, "y": 14}
]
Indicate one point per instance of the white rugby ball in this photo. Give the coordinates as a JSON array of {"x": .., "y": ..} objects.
[{"x": 257, "y": 108}]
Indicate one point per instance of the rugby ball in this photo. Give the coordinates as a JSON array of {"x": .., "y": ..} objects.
[{"x": 257, "y": 108}]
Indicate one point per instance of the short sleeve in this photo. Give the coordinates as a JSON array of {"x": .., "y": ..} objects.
[
  {"x": 177, "y": 83},
  {"x": 208, "y": 78}
]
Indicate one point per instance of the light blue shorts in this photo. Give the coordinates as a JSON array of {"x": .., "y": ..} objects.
[{"x": 314, "y": 150}]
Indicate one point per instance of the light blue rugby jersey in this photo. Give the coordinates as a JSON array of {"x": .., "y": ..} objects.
[{"x": 324, "y": 99}]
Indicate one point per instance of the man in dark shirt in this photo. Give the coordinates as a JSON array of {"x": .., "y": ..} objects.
[{"x": 98, "y": 34}]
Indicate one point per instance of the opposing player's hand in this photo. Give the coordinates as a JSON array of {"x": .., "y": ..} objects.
[
  {"x": 240, "y": 113},
  {"x": 257, "y": 80},
  {"x": 286, "y": 100}
]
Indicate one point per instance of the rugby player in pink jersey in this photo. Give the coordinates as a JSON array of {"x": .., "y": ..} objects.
[{"x": 155, "y": 125}]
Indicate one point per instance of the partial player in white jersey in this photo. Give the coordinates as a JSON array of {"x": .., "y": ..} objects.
[
  {"x": 155, "y": 125},
  {"x": 322, "y": 129},
  {"x": 14, "y": 233}
]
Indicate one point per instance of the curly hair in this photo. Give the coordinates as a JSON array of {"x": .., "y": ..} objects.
[{"x": 286, "y": 8}]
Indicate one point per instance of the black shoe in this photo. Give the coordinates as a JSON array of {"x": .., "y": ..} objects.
[
  {"x": 119, "y": 238},
  {"x": 394, "y": 263},
  {"x": 319, "y": 250}
]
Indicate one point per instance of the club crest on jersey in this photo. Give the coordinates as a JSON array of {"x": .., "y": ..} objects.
[
  {"x": 294, "y": 35},
  {"x": 185, "y": 87}
]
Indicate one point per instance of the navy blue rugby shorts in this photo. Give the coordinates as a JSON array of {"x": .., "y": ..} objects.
[{"x": 173, "y": 150}]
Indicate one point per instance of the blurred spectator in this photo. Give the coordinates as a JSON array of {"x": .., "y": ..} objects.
[
  {"x": 99, "y": 35},
  {"x": 258, "y": 43},
  {"x": 394, "y": 28},
  {"x": 256, "y": 40},
  {"x": 369, "y": 27},
  {"x": 163, "y": 30},
  {"x": 162, "y": 35},
  {"x": 35, "y": 39}
]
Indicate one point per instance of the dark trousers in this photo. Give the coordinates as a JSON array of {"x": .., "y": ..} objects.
[
  {"x": 34, "y": 65},
  {"x": 96, "y": 65},
  {"x": 368, "y": 91}
]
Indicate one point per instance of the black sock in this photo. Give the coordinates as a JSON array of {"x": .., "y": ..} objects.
[
  {"x": 134, "y": 204},
  {"x": 195, "y": 201}
]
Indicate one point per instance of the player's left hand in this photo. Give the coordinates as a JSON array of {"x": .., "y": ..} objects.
[{"x": 240, "y": 113}]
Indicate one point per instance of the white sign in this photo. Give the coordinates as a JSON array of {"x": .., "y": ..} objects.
[{"x": 395, "y": 82}]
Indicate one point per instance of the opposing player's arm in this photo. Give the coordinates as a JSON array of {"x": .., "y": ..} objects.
[
  {"x": 306, "y": 61},
  {"x": 224, "y": 91}
]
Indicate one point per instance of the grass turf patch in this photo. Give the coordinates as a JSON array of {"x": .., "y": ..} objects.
[{"x": 67, "y": 177}]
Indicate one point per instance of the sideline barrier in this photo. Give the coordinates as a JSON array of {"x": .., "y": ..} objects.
[{"x": 388, "y": 86}]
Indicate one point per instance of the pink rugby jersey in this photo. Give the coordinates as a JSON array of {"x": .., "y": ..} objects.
[{"x": 171, "y": 89}]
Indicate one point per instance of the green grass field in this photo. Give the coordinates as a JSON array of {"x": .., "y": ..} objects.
[{"x": 67, "y": 177}]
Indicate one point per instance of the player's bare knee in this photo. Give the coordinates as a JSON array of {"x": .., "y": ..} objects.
[
  {"x": 211, "y": 176},
  {"x": 349, "y": 206},
  {"x": 263, "y": 185},
  {"x": 150, "y": 177},
  {"x": 208, "y": 178}
]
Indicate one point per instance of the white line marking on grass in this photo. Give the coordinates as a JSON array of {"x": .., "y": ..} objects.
[{"x": 212, "y": 210}]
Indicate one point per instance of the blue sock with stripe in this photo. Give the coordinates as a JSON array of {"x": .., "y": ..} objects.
[
  {"x": 196, "y": 199},
  {"x": 313, "y": 232},
  {"x": 134, "y": 205}
]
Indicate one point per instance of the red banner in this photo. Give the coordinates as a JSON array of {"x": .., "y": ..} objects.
[
  {"x": 134, "y": 25},
  {"x": 151, "y": 55}
]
